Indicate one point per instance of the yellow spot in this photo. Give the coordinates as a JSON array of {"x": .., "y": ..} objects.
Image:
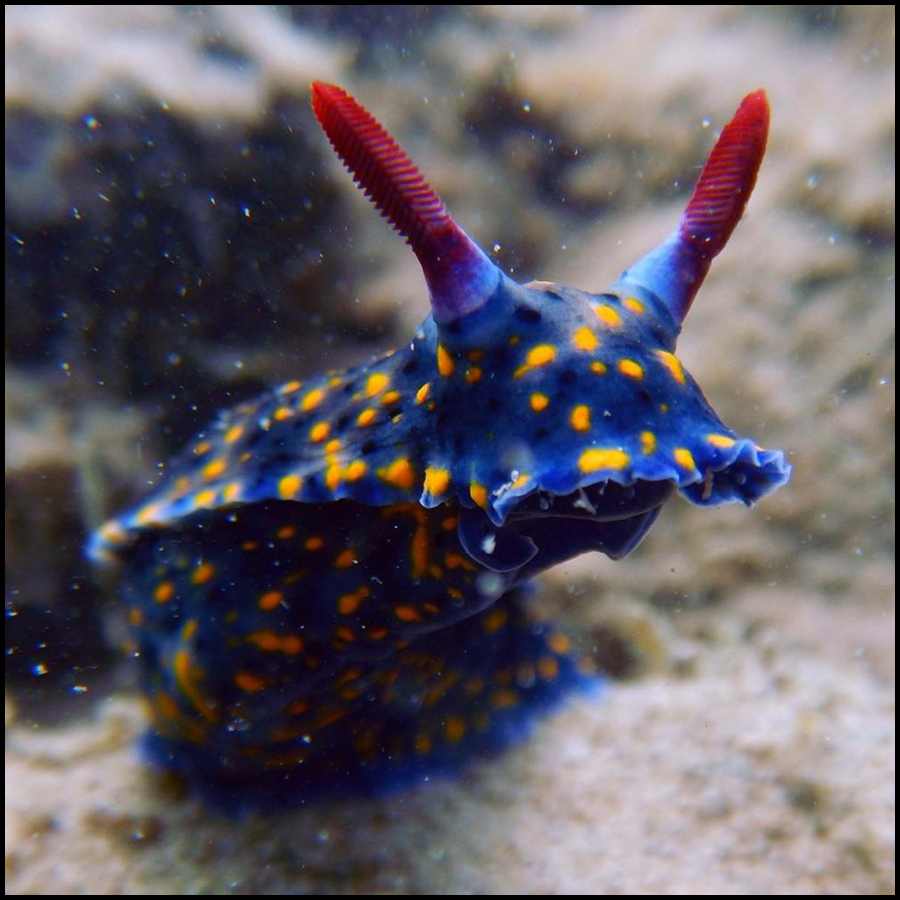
[
  {"x": 581, "y": 418},
  {"x": 390, "y": 397},
  {"x": 478, "y": 492},
  {"x": 164, "y": 592},
  {"x": 355, "y": 470},
  {"x": 608, "y": 316},
  {"x": 233, "y": 434},
  {"x": 454, "y": 729},
  {"x": 284, "y": 412},
  {"x": 289, "y": 486},
  {"x": 585, "y": 339},
  {"x": 312, "y": 399},
  {"x": 473, "y": 375},
  {"x": 634, "y": 305},
  {"x": 345, "y": 559},
  {"x": 630, "y": 368},
  {"x": 672, "y": 363},
  {"x": 436, "y": 480},
  {"x": 203, "y": 573},
  {"x": 376, "y": 382},
  {"x": 232, "y": 492},
  {"x": 594, "y": 459},
  {"x": 319, "y": 431},
  {"x": 539, "y": 402},
  {"x": 648, "y": 441},
  {"x": 202, "y": 447},
  {"x": 684, "y": 458},
  {"x": 407, "y": 613},
  {"x": 523, "y": 479},
  {"x": 290, "y": 387},
  {"x": 399, "y": 473},
  {"x": 536, "y": 356},
  {"x": 314, "y": 543},
  {"x": 663, "y": 407},
  {"x": 214, "y": 468},
  {"x": 422, "y": 392},
  {"x": 598, "y": 368},
  {"x": 366, "y": 417},
  {"x": 720, "y": 440},
  {"x": 270, "y": 600},
  {"x": 445, "y": 362},
  {"x": 248, "y": 682},
  {"x": 333, "y": 446},
  {"x": 205, "y": 499}
]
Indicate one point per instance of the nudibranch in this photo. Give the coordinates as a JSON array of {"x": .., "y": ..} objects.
[{"x": 326, "y": 591}]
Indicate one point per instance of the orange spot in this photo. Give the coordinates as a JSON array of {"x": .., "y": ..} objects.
[
  {"x": 684, "y": 458},
  {"x": 399, "y": 473},
  {"x": 422, "y": 393},
  {"x": 376, "y": 382},
  {"x": 366, "y": 417},
  {"x": 282, "y": 413},
  {"x": 290, "y": 387},
  {"x": 248, "y": 682},
  {"x": 164, "y": 592},
  {"x": 536, "y": 357},
  {"x": 390, "y": 397},
  {"x": 407, "y": 613},
  {"x": 548, "y": 667},
  {"x": 539, "y": 402},
  {"x": 270, "y": 600},
  {"x": 314, "y": 543},
  {"x": 630, "y": 368},
  {"x": 594, "y": 459},
  {"x": 349, "y": 603},
  {"x": 214, "y": 468},
  {"x": 285, "y": 532},
  {"x": 473, "y": 375},
  {"x": 581, "y": 418},
  {"x": 585, "y": 339},
  {"x": 319, "y": 431},
  {"x": 672, "y": 363},
  {"x": 634, "y": 305},
  {"x": 233, "y": 434},
  {"x": 445, "y": 362},
  {"x": 202, "y": 447},
  {"x": 345, "y": 559},
  {"x": 559, "y": 643},
  {"x": 720, "y": 440},
  {"x": 598, "y": 368},
  {"x": 289, "y": 486},
  {"x": 436, "y": 480},
  {"x": 608, "y": 316},
  {"x": 454, "y": 729},
  {"x": 478, "y": 492},
  {"x": 203, "y": 573},
  {"x": 312, "y": 399},
  {"x": 648, "y": 441},
  {"x": 355, "y": 470}
]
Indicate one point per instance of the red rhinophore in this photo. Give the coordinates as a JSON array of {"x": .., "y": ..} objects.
[
  {"x": 727, "y": 178},
  {"x": 378, "y": 164},
  {"x": 460, "y": 276}
]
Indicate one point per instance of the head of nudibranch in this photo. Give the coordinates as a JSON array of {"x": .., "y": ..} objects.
[{"x": 548, "y": 402}]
